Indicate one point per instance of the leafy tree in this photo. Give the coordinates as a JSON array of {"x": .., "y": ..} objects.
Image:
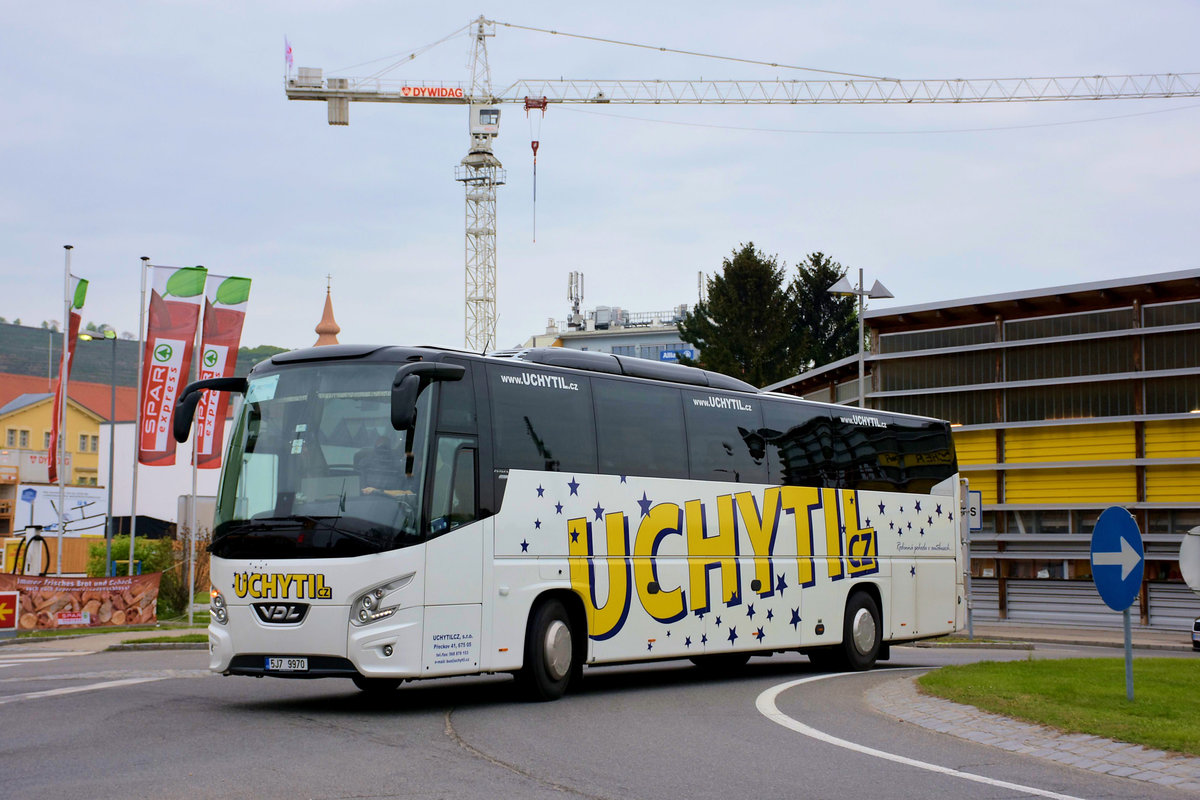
[
  {"x": 249, "y": 356},
  {"x": 744, "y": 327},
  {"x": 825, "y": 326}
]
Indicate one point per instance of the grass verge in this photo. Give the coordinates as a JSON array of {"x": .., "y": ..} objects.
[
  {"x": 1086, "y": 696},
  {"x": 187, "y": 638}
]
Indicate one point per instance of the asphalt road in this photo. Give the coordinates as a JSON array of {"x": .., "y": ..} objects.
[{"x": 157, "y": 724}]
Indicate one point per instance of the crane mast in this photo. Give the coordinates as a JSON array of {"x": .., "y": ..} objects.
[{"x": 481, "y": 172}]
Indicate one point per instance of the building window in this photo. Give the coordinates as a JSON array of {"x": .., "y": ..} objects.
[
  {"x": 46, "y": 440},
  {"x": 83, "y": 442},
  {"x": 10, "y": 439},
  {"x": 23, "y": 438},
  {"x": 95, "y": 442},
  {"x": 624, "y": 350}
]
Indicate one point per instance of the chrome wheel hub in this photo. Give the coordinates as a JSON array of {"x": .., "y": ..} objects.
[
  {"x": 863, "y": 631},
  {"x": 557, "y": 648}
]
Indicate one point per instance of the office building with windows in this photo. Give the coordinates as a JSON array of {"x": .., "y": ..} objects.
[{"x": 652, "y": 335}]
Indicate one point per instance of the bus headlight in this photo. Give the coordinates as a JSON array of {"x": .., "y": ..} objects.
[
  {"x": 217, "y": 606},
  {"x": 366, "y": 608}
]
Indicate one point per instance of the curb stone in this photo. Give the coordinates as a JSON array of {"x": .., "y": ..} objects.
[{"x": 900, "y": 699}]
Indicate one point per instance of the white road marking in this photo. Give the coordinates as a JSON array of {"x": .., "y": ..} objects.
[
  {"x": 33, "y": 657},
  {"x": 76, "y": 689},
  {"x": 766, "y": 706}
]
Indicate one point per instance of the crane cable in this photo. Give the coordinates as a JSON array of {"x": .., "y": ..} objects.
[
  {"x": 689, "y": 52},
  {"x": 535, "y": 130},
  {"x": 407, "y": 56}
]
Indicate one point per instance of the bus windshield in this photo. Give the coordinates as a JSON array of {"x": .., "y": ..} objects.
[{"x": 315, "y": 469}]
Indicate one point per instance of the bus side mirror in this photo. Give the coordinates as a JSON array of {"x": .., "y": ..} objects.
[
  {"x": 185, "y": 407},
  {"x": 410, "y": 381}
]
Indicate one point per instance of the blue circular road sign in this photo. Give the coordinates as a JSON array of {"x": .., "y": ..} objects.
[{"x": 1118, "y": 559}]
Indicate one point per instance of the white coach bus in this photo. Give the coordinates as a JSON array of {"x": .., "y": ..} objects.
[{"x": 394, "y": 513}]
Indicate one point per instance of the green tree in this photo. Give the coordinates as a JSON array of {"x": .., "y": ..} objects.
[
  {"x": 825, "y": 326},
  {"x": 744, "y": 327},
  {"x": 249, "y": 356},
  {"x": 155, "y": 555}
]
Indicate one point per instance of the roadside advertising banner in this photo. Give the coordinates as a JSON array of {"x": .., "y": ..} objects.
[
  {"x": 53, "y": 602},
  {"x": 225, "y": 303},
  {"x": 170, "y": 339},
  {"x": 8, "y": 611},
  {"x": 78, "y": 291}
]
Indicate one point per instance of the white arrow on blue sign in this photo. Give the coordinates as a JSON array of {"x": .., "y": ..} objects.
[{"x": 1118, "y": 559}]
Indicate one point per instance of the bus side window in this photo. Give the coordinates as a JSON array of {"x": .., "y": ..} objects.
[
  {"x": 453, "y": 484},
  {"x": 640, "y": 429},
  {"x": 724, "y": 439},
  {"x": 799, "y": 442}
]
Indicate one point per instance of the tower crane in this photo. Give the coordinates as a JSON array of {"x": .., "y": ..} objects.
[{"x": 481, "y": 172}]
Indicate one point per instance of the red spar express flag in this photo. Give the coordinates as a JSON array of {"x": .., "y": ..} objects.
[
  {"x": 225, "y": 304},
  {"x": 170, "y": 339}
]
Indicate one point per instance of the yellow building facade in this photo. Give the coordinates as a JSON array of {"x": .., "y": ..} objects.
[{"x": 25, "y": 428}]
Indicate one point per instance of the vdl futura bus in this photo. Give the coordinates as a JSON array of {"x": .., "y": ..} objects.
[{"x": 393, "y": 513}]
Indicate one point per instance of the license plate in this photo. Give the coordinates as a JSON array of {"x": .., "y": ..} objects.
[{"x": 276, "y": 664}]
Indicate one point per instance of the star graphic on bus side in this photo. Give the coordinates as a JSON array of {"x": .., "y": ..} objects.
[
  {"x": 795, "y": 623},
  {"x": 574, "y": 486},
  {"x": 938, "y": 510},
  {"x": 718, "y": 620},
  {"x": 575, "y": 536},
  {"x": 558, "y": 508},
  {"x": 704, "y": 638},
  {"x": 599, "y": 511},
  {"x": 780, "y": 585},
  {"x": 644, "y": 504},
  {"x": 758, "y": 634},
  {"x": 733, "y": 635},
  {"x": 750, "y": 611},
  {"x": 881, "y": 508},
  {"x": 537, "y": 524},
  {"x": 524, "y": 546},
  {"x": 541, "y": 492},
  {"x": 687, "y": 641},
  {"x": 918, "y": 506},
  {"x": 770, "y": 614}
]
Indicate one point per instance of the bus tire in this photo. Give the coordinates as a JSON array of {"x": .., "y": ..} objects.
[
  {"x": 377, "y": 685},
  {"x": 862, "y": 638},
  {"x": 551, "y": 662}
]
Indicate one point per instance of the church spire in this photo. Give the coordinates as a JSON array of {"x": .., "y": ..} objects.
[{"x": 327, "y": 329}]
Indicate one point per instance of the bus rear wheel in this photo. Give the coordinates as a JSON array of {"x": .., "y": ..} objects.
[
  {"x": 862, "y": 638},
  {"x": 551, "y": 663}
]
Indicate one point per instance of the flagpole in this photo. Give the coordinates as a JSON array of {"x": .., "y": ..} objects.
[
  {"x": 62, "y": 409},
  {"x": 137, "y": 431},
  {"x": 199, "y": 337}
]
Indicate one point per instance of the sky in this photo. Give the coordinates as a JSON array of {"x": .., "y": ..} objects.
[{"x": 162, "y": 129}]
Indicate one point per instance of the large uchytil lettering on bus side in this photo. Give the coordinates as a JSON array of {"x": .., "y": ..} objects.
[{"x": 656, "y": 546}]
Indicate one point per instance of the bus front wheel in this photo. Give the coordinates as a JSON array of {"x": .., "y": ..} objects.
[{"x": 550, "y": 658}]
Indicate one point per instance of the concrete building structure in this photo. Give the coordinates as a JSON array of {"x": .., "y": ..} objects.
[
  {"x": 607, "y": 329},
  {"x": 1064, "y": 401}
]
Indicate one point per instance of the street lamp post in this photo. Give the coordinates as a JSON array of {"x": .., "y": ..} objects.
[
  {"x": 877, "y": 291},
  {"x": 111, "y": 335}
]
